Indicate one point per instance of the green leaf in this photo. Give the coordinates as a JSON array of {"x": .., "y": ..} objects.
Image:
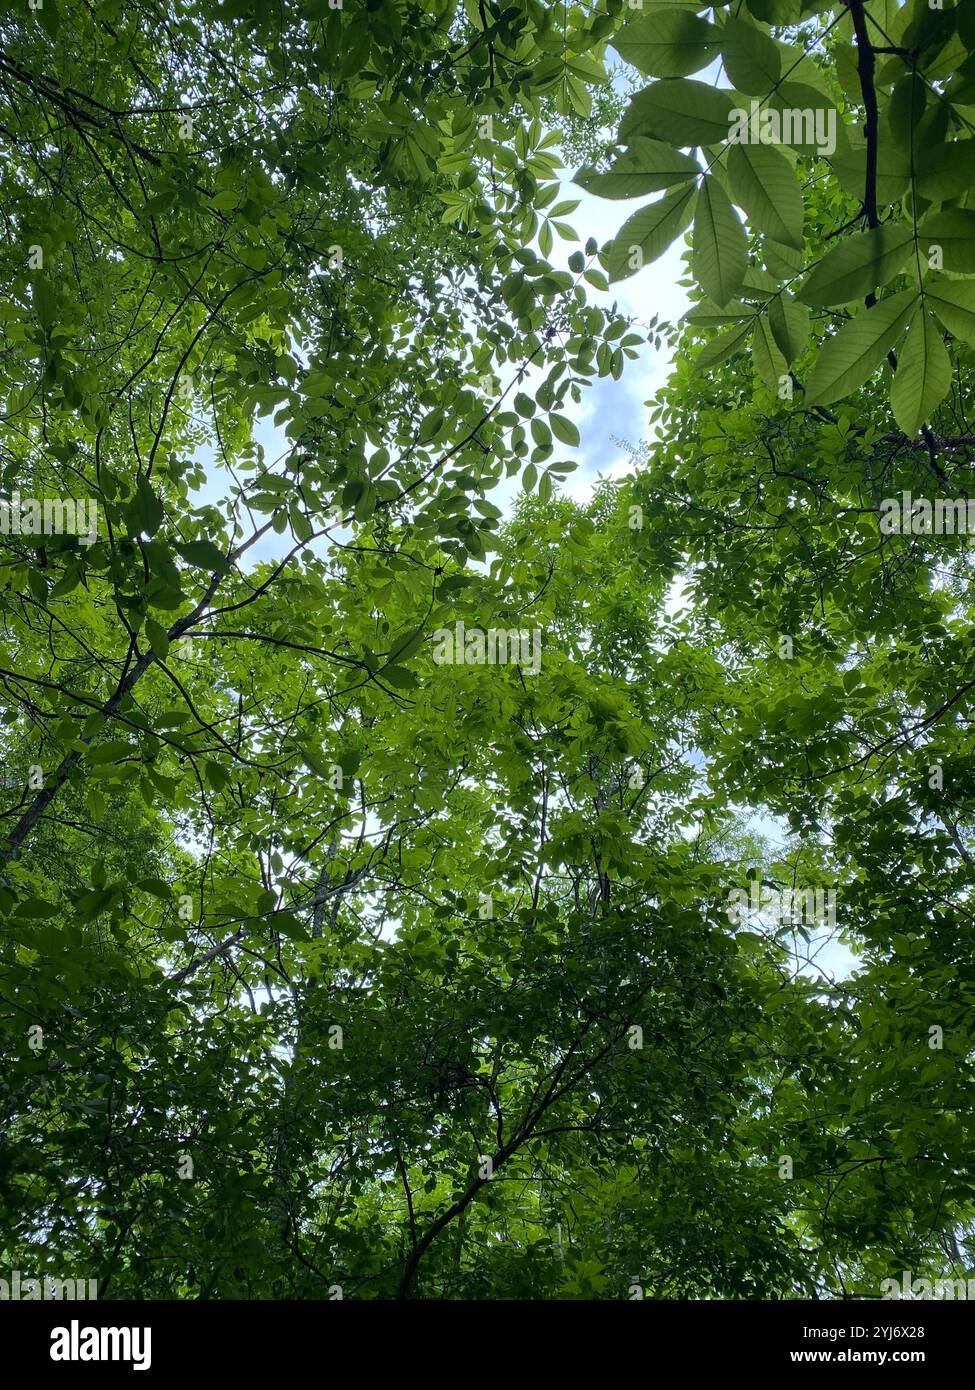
[
  {"x": 145, "y": 511},
  {"x": 946, "y": 171},
  {"x": 541, "y": 433},
  {"x": 751, "y": 58},
  {"x": 801, "y": 113},
  {"x": 431, "y": 426},
  {"x": 783, "y": 262},
  {"x": 68, "y": 582},
  {"x": 109, "y": 752},
  {"x": 764, "y": 183},
  {"x": 158, "y": 638},
  {"x": 90, "y": 904},
  {"x": 858, "y": 265},
  {"x": 352, "y": 493},
  {"x": 954, "y": 303},
  {"x": 36, "y": 908},
  {"x": 313, "y": 759},
  {"x": 666, "y": 43},
  {"x": 564, "y": 429},
  {"x": 157, "y": 887},
  {"x": 50, "y": 18},
  {"x": 966, "y": 22},
  {"x": 849, "y": 165},
  {"x": 286, "y": 923},
  {"x": 769, "y": 362},
  {"x": 647, "y": 234},
  {"x": 203, "y": 554},
  {"x": 789, "y": 322},
  {"x": 758, "y": 283},
  {"x": 923, "y": 376},
  {"x": 404, "y": 646},
  {"x": 646, "y": 167},
  {"x": 905, "y": 109},
  {"x": 720, "y": 247},
  {"x": 680, "y": 110},
  {"x": 216, "y": 775},
  {"x": 724, "y": 345},
  {"x": 854, "y": 353},
  {"x": 580, "y": 96},
  {"x": 399, "y": 677},
  {"x": 711, "y": 316},
  {"x": 44, "y": 300},
  {"x": 953, "y": 231}
]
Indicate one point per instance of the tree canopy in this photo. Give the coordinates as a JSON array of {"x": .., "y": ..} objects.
[{"x": 335, "y": 966}]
